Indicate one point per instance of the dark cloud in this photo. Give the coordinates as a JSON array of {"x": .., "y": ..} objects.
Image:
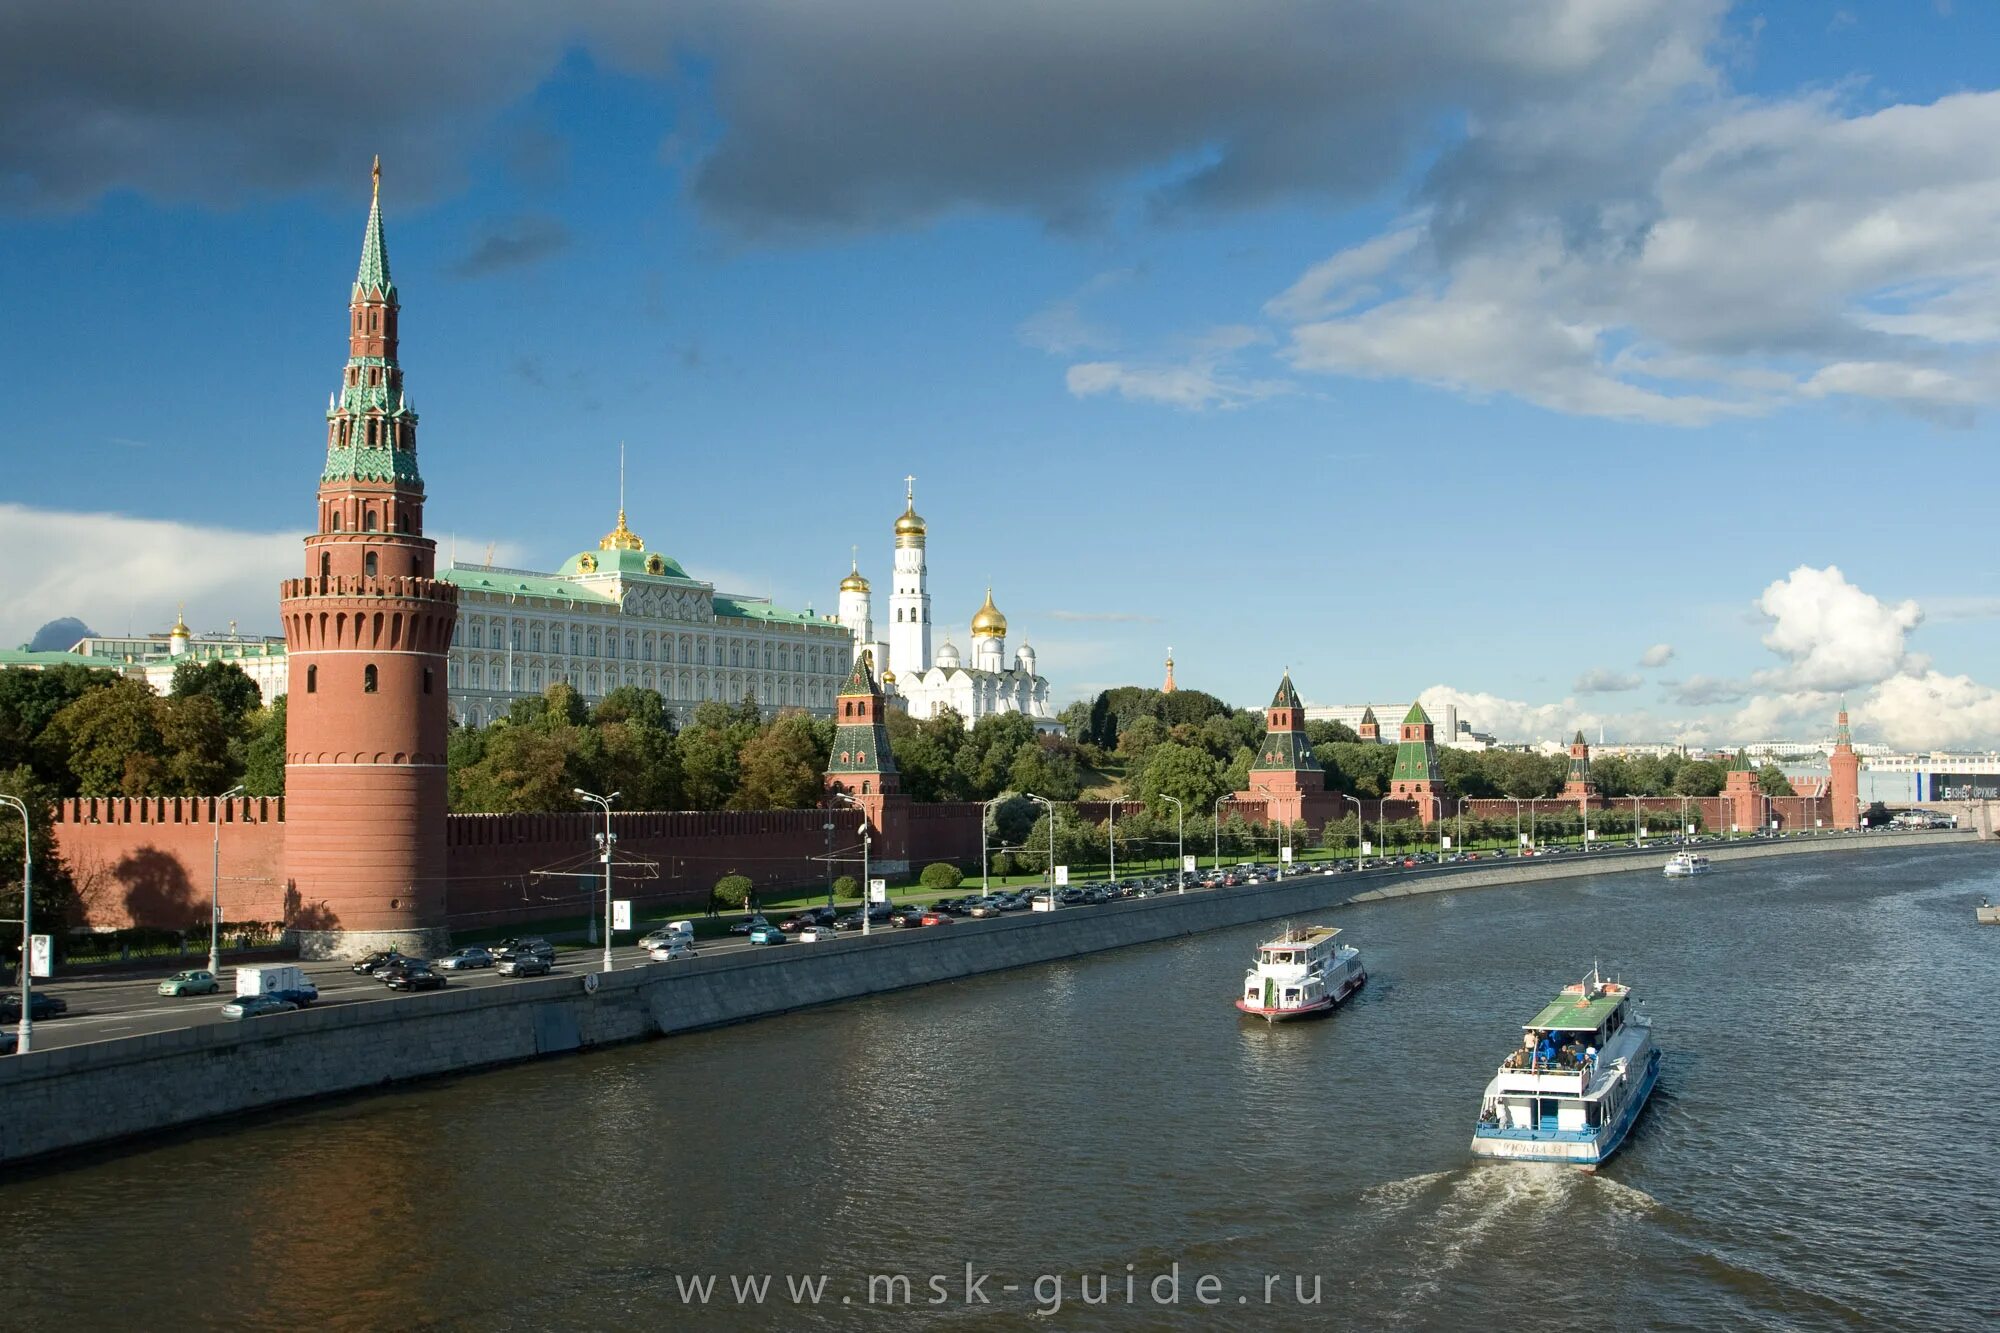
[
  {"x": 513, "y": 243},
  {"x": 872, "y": 113},
  {"x": 1702, "y": 691}
]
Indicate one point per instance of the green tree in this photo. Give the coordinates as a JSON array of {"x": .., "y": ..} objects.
[
  {"x": 195, "y": 737},
  {"x": 633, "y": 704},
  {"x": 108, "y": 741},
  {"x": 1320, "y": 733},
  {"x": 264, "y": 751},
  {"x": 1189, "y": 774},
  {"x": 781, "y": 768},
  {"x": 1771, "y": 780},
  {"x": 55, "y": 903},
  {"x": 732, "y": 892},
  {"x": 29, "y": 701},
  {"x": 641, "y": 760},
  {"x": 927, "y": 754},
  {"x": 987, "y": 755},
  {"x": 235, "y": 694},
  {"x": 1047, "y": 767},
  {"x": 524, "y": 769},
  {"x": 941, "y": 875},
  {"x": 708, "y": 763},
  {"x": 1700, "y": 777}
]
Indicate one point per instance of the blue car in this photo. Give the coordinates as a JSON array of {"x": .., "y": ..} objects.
[{"x": 766, "y": 935}]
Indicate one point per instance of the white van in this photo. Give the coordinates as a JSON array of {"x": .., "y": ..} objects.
[
  {"x": 267, "y": 978},
  {"x": 674, "y": 932}
]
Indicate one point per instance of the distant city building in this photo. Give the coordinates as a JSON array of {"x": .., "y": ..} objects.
[{"x": 153, "y": 657}]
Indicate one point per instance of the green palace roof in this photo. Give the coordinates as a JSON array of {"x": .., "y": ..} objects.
[
  {"x": 1565, "y": 1014},
  {"x": 22, "y": 657},
  {"x": 631, "y": 564},
  {"x": 753, "y": 610},
  {"x": 506, "y": 583}
]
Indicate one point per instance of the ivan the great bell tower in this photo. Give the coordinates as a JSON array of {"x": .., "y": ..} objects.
[{"x": 366, "y": 634}]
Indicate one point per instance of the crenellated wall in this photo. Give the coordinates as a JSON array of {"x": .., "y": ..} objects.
[{"x": 151, "y": 861}]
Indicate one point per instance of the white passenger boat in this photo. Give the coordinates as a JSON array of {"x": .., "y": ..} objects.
[
  {"x": 1578, "y": 1082},
  {"x": 1686, "y": 863},
  {"x": 1302, "y": 973}
]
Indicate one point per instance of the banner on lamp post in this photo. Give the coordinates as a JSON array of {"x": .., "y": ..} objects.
[
  {"x": 1062, "y": 876},
  {"x": 621, "y": 914},
  {"x": 41, "y": 956},
  {"x": 1285, "y": 855},
  {"x": 1187, "y": 864},
  {"x": 878, "y": 890}
]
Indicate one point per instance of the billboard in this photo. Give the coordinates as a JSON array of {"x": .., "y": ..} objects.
[{"x": 1963, "y": 787}]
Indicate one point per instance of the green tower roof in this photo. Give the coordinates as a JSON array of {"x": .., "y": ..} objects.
[
  {"x": 1740, "y": 763},
  {"x": 374, "y": 271},
  {"x": 1416, "y": 717},
  {"x": 1286, "y": 697}
]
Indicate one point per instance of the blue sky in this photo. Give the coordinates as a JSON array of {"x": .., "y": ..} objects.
[{"x": 1411, "y": 347}]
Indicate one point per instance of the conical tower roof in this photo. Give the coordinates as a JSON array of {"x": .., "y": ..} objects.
[
  {"x": 1286, "y": 697},
  {"x": 373, "y": 275},
  {"x": 1416, "y": 717}
]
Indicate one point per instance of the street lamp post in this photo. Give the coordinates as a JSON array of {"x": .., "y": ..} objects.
[
  {"x": 1359, "y": 827},
  {"x": 1638, "y": 834},
  {"x": 867, "y": 889},
  {"x": 608, "y": 840},
  {"x": 985, "y": 866},
  {"x": 1461, "y": 822},
  {"x": 1111, "y": 837},
  {"x": 1517, "y": 823},
  {"x": 1049, "y": 806},
  {"x": 1216, "y": 828},
  {"x": 1180, "y": 843},
  {"x": 215, "y": 886},
  {"x": 26, "y": 1031}
]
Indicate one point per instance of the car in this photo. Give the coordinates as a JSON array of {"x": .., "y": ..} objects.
[
  {"x": 935, "y": 919},
  {"x": 257, "y": 1006},
  {"x": 302, "y": 996},
  {"x": 817, "y": 934},
  {"x": 397, "y": 964},
  {"x": 533, "y": 944},
  {"x": 671, "y": 949},
  {"x": 414, "y": 978},
  {"x": 8, "y": 1041},
  {"x": 365, "y": 966},
  {"x": 523, "y": 965},
  {"x": 766, "y": 934},
  {"x": 194, "y": 981},
  {"x": 811, "y": 916},
  {"x": 986, "y": 907},
  {"x": 44, "y": 1006},
  {"x": 748, "y": 924},
  {"x": 906, "y": 916},
  {"x": 948, "y": 906},
  {"x": 848, "y": 921},
  {"x": 666, "y": 934},
  {"x": 469, "y": 957}
]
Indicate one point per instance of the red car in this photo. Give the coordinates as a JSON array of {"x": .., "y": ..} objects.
[{"x": 936, "y": 919}]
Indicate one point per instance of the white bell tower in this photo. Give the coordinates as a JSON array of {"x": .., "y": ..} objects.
[{"x": 910, "y": 598}]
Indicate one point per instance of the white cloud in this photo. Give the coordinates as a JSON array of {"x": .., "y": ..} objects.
[
  {"x": 1657, "y": 656},
  {"x": 1602, "y": 680},
  {"x": 1832, "y": 635},
  {"x": 1702, "y": 691},
  {"x": 1928, "y": 710},
  {"x": 1201, "y": 379}
]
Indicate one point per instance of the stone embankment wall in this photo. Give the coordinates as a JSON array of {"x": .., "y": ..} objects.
[{"x": 73, "y": 1096}]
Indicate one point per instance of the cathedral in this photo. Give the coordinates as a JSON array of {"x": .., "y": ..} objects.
[{"x": 924, "y": 683}]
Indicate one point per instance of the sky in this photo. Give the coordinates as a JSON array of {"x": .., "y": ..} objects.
[{"x": 1623, "y": 364}]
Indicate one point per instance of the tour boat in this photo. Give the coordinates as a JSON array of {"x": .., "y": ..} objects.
[
  {"x": 1572, "y": 1090},
  {"x": 1686, "y": 863},
  {"x": 1300, "y": 974}
]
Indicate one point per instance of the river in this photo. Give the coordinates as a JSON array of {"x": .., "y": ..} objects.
[{"x": 1821, "y": 1153}]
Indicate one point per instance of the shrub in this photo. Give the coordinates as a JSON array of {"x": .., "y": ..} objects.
[
  {"x": 732, "y": 891},
  {"x": 1003, "y": 864},
  {"x": 847, "y": 887},
  {"x": 940, "y": 875}
]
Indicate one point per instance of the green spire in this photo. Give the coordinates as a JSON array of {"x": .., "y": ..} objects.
[
  {"x": 1286, "y": 697},
  {"x": 1740, "y": 763},
  {"x": 374, "y": 273},
  {"x": 1416, "y": 717},
  {"x": 1416, "y": 760},
  {"x": 860, "y": 740},
  {"x": 1283, "y": 750}
]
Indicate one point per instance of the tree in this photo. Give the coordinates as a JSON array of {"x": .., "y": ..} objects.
[
  {"x": 1700, "y": 777},
  {"x": 54, "y": 897},
  {"x": 941, "y": 875},
  {"x": 107, "y": 741},
  {"x": 1771, "y": 780},
  {"x": 29, "y": 701},
  {"x": 1319, "y": 733},
  {"x": 264, "y": 751},
  {"x": 927, "y": 754},
  {"x": 633, "y": 704},
  {"x": 640, "y": 759},
  {"x": 523, "y": 769},
  {"x": 708, "y": 764},
  {"x": 987, "y": 755},
  {"x": 195, "y": 737},
  {"x": 781, "y": 768},
  {"x": 235, "y": 694},
  {"x": 1047, "y": 767},
  {"x": 732, "y": 891},
  {"x": 846, "y": 886},
  {"x": 1189, "y": 774}
]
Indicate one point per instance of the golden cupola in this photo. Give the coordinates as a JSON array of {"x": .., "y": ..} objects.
[
  {"x": 621, "y": 538},
  {"x": 854, "y": 582},
  {"x": 910, "y": 529},
  {"x": 987, "y": 622}
]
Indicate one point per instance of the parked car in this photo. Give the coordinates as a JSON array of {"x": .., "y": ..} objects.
[
  {"x": 397, "y": 964},
  {"x": 302, "y": 996},
  {"x": 935, "y": 919},
  {"x": 906, "y": 916},
  {"x": 523, "y": 965},
  {"x": 414, "y": 978},
  {"x": 256, "y": 1006},
  {"x": 469, "y": 957},
  {"x": 748, "y": 924},
  {"x": 194, "y": 981},
  {"x": 986, "y": 907},
  {"x": 817, "y": 934},
  {"x": 671, "y": 949},
  {"x": 533, "y": 944},
  {"x": 811, "y": 916},
  {"x": 766, "y": 934},
  {"x": 366, "y": 966},
  {"x": 44, "y": 1006}
]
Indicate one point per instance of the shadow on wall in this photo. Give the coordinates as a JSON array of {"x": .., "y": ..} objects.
[
  {"x": 157, "y": 891},
  {"x": 300, "y": 916}
]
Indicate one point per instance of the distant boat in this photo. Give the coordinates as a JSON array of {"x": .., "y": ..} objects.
[
  {"x": 1681, "y": 864},
  {"x": 1301, "y": 974},
  {"x": 1989, "y": 915},
  {"x": 1573, "y": 1088}
]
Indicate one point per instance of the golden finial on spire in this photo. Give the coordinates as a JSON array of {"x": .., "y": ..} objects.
[
  {"x": 180, "y": 629},
  {"x": 377, "y": 173}
]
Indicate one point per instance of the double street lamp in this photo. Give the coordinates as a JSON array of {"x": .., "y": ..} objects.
[
  {"x": 1180, "y": 843},
  {"x": 1359, "y": 827},
  {"x": 867, "y": 890},
  {"x": 1050, "y": 806},
  {"x": 27, "y": 1028},
  {"x": 215, "y": 885},
  {"x": 606, "y": 841}
]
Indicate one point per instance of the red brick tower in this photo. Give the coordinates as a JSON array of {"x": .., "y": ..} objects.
[
  {"x": 863, "y": 769},
  {"x": 1578, "y": 787},
  {"x": 366, "y": 632},
  {"x": 1845, "y": 767},
  {"x": 1415, "y": 778},
  {"x": 1286, "y": 776},
  {"x": 1370, "y": 730},
  {"x": 1745, "y": 797}
]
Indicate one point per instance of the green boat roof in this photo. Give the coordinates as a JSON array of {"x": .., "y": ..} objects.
[{"x": 1574, "y": 1013}]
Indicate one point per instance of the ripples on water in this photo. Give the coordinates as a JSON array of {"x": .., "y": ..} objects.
[{"x": 1820, "y": 1154}]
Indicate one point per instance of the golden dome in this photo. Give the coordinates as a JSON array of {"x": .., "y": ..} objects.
[
  {"x": 180, "y": 629},
  {"x": 621, "y": 538},
  {"x": 888, "y": 678},
  {"x": 854, "y": 582},
  {"x": 910, "y": 528},
  {"x": 988, "y": 623}
]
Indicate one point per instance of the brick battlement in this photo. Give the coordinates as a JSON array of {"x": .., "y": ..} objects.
[
  {"x": 580, "y": 826},
  {"x": 401, "y": 586},
  {"x": 203, "y": 810}
]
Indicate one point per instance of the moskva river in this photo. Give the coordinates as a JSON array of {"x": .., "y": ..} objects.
[{"x": 1108, "y": 1144}]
